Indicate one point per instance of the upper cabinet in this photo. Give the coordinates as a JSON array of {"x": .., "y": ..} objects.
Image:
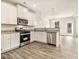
[
  {"x": 20, "y": 11},
  {"x": 9, "y": 13},
  {"x": 24, "y": 13}
]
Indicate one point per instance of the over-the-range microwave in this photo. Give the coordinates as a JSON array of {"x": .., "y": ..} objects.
[{"x": 22, "y": 21}]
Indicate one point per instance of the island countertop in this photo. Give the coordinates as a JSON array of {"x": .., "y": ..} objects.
[
  {"x": 46, "y": 29},
  {"x": 45, "y": 34}
]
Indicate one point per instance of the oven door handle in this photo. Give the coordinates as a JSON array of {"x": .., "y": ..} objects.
[{"x": 25, "y": 34}]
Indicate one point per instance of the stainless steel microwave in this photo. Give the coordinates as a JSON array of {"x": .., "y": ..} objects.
[{"x": 22, "y": 21}]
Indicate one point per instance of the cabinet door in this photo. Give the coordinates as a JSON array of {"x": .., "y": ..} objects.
[
  {"x": 12, "y": 14},
  {"x": 19, "y": 11},
  {"x": 6, "y": 42},
  {"x": 2, "y": 42},
  {"x": 9, "y": 13},
  {"x": 4, "y": 12},
  {"x": 25, "y": 12},
  {"x": 15, "y": 40}
]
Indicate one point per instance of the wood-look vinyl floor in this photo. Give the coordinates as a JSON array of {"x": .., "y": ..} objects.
[{"x": 38, "y": 50}]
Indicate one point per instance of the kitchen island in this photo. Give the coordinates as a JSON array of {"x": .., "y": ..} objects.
[{"x": 46, "y": 35}]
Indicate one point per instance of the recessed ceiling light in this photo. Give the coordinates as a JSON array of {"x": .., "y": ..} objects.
[{"x": 34, "y": 5}]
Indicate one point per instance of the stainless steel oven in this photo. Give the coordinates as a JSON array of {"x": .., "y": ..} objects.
[{"x": 24, "y": 37}]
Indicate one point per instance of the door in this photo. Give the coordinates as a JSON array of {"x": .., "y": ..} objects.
[
  {"x": 5, "y": 42},
  {"x": 2, "y": 42},
  {"x": 4, "y": 12},
  {"x": 8, "y": 13},
  {"x": 57, "y": 24},
  {"x": 15, "y": 40},
  {"x": 12, "y": 14},
  {"x": 69, "y": 27},
  {"x": 20, "y": 11}
]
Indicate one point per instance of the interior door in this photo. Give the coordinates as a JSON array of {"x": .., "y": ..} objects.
[{"x": 69, "y": 27}]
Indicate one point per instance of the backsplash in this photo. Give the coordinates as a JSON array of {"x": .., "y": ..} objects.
[
  {"x": 12, "y": 27},
  {"x": 7, "y": 27}
]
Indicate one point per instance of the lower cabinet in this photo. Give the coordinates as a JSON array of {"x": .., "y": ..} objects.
[
  {"x": 5, "y": 42},
  {"x": 15, "y": 40},
  {"x": 39, "y": 36},
  {"x": 9, "y": 40}
]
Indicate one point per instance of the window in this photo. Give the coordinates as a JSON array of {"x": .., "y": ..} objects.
[
  {"x": 69, "y": 27},
  {"x": 57, "y": 24}
]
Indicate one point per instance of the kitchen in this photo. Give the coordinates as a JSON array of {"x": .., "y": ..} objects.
[{"x": 23, "y": 25}]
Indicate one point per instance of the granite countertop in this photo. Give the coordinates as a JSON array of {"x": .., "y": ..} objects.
[
  {"x": 47, "y": 29},
  {"x": 36, "y": 29},
  {"x": 4, "y": 31}
]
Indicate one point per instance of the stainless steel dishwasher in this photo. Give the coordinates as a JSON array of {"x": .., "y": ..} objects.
[{"x": 51, "y": 38}]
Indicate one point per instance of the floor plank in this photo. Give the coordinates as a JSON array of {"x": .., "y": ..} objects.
[{"x": 37, "y": 50}]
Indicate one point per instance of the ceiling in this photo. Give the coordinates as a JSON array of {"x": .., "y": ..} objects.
[{"x": 51, "y": 7}]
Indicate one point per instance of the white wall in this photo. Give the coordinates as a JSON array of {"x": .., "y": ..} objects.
[
  {"x": 75, "y": 29},
  {"x": 42, "y": 22},
  {"x": 52, "y": 22},
  {"x": 63, "y": 25}
]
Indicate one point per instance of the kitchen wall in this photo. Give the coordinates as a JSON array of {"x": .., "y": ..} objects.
[
  {"x": 63, "y": 24},
  {"x": 75, "y": 29},
  {"x": 41, "y": 21}
]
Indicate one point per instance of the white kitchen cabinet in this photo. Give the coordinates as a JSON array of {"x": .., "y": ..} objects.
[
  {"x": 9, "y": 40},
  {"x": 15, "y": 40},
  {"x": 12, "y": 14},
  {"x": 22, "y": 12},
  {"x": 52, "y": 38},
  {"x": 4, "y": 13},
  {"x": 34, "y": 36},
  {"x": 19, "y": 11},
  {"x": 25, "y": 14},
  {"x": 9, "y": 13},
  {"x": 39, "y": 36},
  {"x": 2, "y": 42},
  {"x": 5, "y": 41}
]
